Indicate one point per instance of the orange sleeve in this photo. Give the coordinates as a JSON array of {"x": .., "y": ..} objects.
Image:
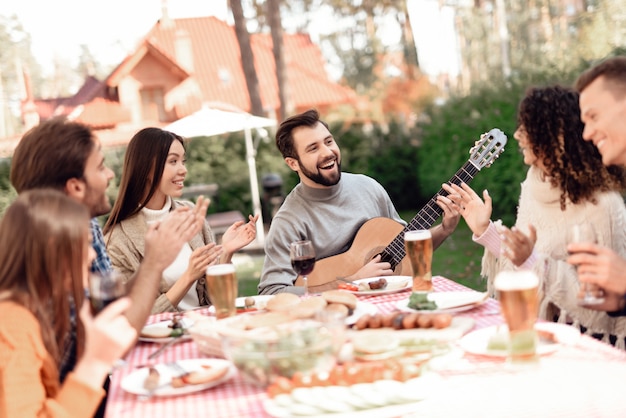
[{"x": 29, "y": 384}]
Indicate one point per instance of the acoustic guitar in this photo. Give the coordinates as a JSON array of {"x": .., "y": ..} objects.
[{"x": 385, "y": 236}]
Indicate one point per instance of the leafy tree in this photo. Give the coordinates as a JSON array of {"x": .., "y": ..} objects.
[
  {"x": 15, "y": 59},
  {"x": 449, "y": 131},
  {"x": 7, "y": 192}
]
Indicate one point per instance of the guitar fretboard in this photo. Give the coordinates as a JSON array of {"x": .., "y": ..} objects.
[{"x": 426, "y": 217}]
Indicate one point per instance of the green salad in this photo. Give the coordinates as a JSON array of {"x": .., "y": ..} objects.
[{"x": 419, "y": 301}]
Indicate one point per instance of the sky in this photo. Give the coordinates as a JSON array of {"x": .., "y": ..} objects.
[
  {"x": 112, "y": 28},
  {"x": 109, "y": 28}
]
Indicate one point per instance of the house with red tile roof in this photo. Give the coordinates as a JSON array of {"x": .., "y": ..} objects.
[{"x": 182, "y": 64}]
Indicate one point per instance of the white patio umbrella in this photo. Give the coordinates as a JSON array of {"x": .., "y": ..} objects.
[{"x": 211, "y": 121}]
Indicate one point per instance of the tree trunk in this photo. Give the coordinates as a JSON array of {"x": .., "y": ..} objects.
[
  {"x": 247, "y": 58},
  {"x": 273, "y": 17}
]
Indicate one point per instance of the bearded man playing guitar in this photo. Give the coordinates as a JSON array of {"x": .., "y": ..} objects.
[{"x": 330, "y": 208}]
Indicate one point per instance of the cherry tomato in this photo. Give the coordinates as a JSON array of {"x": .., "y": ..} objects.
[{"x": 348, "y": 286}]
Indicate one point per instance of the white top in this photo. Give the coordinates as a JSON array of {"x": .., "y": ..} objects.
[{"x": 173, "y": 272}]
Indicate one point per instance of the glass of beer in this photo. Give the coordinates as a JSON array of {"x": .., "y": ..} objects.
[
  {"x": 580, "y": 233},
  {"x": 419, "y": 249},
  {"x": 221, "y": 284},
  {"x": 519, "y": 302}
]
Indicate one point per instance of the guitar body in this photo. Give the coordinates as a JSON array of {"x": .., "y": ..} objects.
[{"x": 372, "y": 238}]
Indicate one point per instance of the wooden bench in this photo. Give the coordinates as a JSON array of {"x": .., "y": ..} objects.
[{"x": 221, "y": 221}]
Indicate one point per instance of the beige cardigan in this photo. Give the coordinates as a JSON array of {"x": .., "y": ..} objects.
[{"x": 126, "y": 247}]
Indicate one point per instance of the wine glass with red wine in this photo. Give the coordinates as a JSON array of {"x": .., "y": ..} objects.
[
  {"x": 105, "y": 288},
  {"x": 302, "y": 256}
]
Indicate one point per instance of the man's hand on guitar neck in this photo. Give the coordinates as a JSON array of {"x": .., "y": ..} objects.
[{"x": 451, "y": 218}]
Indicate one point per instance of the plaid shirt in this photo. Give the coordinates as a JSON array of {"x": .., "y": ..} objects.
[{"x": 102, "y": 264}]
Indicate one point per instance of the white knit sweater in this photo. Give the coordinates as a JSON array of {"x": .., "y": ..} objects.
[{"x": 539, "y": 206}]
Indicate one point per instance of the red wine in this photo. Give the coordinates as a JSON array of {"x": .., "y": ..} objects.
[
  {"x": 99, "y": 304},
  {"x": 303, "y": 265}
]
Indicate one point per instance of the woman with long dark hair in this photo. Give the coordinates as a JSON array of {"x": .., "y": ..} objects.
[{"x": 152, "y": 178}]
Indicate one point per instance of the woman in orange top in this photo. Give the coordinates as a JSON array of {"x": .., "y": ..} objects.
[{"x": 44, "y": 237}]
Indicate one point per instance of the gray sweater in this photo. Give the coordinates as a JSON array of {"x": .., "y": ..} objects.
[{"x": 329, "y": 217}]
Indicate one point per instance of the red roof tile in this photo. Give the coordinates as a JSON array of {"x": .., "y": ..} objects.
[{"x": 217, "y": 64}]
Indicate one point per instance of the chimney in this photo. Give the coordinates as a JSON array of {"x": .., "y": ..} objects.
[{"x": 166, "y": 22}]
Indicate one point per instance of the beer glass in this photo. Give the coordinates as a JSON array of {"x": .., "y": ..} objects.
[
  {"x": 584, "y": 232},
  {"x": 419, "y": 249},
  {"x": 221, "y": 284},
  {"x": 519, "y": 302}
]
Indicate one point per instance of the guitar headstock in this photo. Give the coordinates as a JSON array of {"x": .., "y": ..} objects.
[{"x": 487, "y": 148}]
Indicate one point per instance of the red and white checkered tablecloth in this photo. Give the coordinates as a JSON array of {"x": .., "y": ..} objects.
[{"x": 581, "y": 380}]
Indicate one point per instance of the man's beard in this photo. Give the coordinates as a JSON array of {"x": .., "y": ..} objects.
[
  {"x": 318, "y": 177},
  {"x": 98, "y": 205}
]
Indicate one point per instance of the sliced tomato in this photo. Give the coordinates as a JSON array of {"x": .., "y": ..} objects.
[{"x": 348, "y": 286}]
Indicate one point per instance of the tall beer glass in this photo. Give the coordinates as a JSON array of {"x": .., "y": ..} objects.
[
  {"x": 519, "y": 301},
  {"x": 221, "y": 283},
  {"x": 419, "y": 249}
]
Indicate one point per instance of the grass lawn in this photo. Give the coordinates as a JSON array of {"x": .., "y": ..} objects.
[{"x": 458, "y": 259}]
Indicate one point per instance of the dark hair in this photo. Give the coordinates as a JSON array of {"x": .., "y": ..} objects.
[
  {"x": 551, "y": 118},
  {"x": 284, "y": 134},
  {"x": 44, "y": 236},
  {"x": 143, "y": 168},
  {"x": 612, "y": 69},
  {"x": 50, "y": 154}
]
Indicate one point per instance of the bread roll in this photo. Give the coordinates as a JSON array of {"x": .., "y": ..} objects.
[
  {"x": 267, "y": 319},
  {"x": 282, "y": 302},
  {"x": 337, "y": 307},
  {"x": 315, "y": 302},
  {"x": 155, "y": 332},
  {"x": 341, "y": 296}
]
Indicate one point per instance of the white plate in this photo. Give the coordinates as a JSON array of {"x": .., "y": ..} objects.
[
  {"x": 259, "y": 302},
  {"x": 391, "y": 280},
  {"x": 477, "y": 342},
  {"x": 186, "y": 322},
  {"x": 449, "y": 302},
  {"x": 134, "y": 382},
  {"x": 361, "y": 309}
]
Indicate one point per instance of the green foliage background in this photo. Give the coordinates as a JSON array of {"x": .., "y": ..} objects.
[{"x": 411, "y": 163}]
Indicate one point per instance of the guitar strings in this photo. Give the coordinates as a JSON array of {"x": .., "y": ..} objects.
[{"x": 432, "y": 212}]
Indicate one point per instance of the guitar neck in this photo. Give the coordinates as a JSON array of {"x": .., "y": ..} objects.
[{"x": 426, "y": 217}]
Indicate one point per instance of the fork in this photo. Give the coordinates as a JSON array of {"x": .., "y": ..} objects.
[
  {"x": 168, "y": 344},
  {"x": 175, "y": 366}
]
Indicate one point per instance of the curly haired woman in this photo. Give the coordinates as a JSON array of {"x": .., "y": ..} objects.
[{"x": 566, "y": 184}]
